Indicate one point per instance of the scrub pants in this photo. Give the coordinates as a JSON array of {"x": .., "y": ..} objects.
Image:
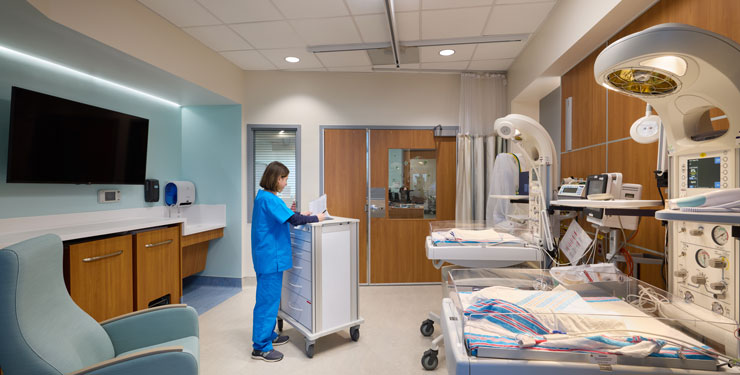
[{"x": 266, "y": 308}]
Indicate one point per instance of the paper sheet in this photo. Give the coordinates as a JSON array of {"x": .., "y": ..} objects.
[
  {"x": 318, "y": 206},
  {"x": 575, "y": 242}
]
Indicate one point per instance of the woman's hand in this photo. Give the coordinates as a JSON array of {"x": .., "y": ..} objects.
[{"x": 321, "y": 217}]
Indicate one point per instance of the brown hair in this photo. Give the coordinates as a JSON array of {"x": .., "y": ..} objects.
[{"x": 273, "y": 171}]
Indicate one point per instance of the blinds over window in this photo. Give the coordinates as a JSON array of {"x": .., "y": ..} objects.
[{"x": 276, "y": 145}]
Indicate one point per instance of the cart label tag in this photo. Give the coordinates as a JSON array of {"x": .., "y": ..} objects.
[
  {"x": 602, "y": 359},
  {"x": 575, "y": 242}
]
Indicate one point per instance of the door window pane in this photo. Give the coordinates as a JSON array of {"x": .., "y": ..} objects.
[{"x": 412, "y": 184}]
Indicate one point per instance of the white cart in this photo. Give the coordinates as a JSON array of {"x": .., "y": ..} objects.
[{"x": 320, "y": 292}]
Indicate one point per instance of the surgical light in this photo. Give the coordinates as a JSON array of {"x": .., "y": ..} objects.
[{"x": 51, "y": 65}]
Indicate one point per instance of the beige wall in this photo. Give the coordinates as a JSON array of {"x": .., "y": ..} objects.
[{"x": 312, "y": 99}]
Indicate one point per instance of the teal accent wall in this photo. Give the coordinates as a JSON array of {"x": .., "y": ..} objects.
[
  {"x": 211, "y": 158},
  {"x": 164, "y": 145}
]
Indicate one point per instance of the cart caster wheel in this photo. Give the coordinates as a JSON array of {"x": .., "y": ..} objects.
[
  {"x": 280, "y": 325},
  {"x": 309, "y": 350},
  {"x": 427, "y": 327},
  {"x": 429, "y": 360},
  {"x": 354, "y": 333}
]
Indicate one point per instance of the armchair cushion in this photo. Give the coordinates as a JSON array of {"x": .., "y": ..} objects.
[
  {"x": 151, "y": 327},
  {"x": 189, "y": 345}
]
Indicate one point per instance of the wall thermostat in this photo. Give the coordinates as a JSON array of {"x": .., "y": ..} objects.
[{"x": 109, "y": 196}]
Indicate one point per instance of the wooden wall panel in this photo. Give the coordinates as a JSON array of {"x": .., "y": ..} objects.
[
  {"x": 589, "y": 104},
  {"x": 582, "y": 163},
  {"x": 446, "y": 175}
]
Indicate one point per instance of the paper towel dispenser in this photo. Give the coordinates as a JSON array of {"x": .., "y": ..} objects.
[{"x": 179, "y": 193}]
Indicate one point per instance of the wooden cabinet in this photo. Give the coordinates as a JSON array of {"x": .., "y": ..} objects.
[
  {"x": 157, "y": 266},
  {"x": 100, "y": 276}
]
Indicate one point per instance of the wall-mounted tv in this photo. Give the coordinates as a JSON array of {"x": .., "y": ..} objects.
[{"x": 55, "y": 140}]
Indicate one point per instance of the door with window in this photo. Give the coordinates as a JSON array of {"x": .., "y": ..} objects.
[{"x": 411, "y": 183}]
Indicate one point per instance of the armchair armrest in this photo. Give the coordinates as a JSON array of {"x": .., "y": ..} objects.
[
  {"x": 164, "y": 360},
  {"x": 151, "y": 327}
]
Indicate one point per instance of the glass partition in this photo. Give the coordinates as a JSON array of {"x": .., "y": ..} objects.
[{"x": 412, "y": 184}]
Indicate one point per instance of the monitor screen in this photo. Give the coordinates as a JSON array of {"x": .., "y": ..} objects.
[
  {"x": 595, "y": 186},
  {"x": 55, "y": 140},
  {"x": 704, "y": 173}
]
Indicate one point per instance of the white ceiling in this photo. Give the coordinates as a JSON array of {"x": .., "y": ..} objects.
[{"x": 259, "y": 34}]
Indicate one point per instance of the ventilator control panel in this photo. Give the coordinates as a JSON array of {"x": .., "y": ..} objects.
[
  {"x": 704, "y": 267},
  {"x": 704, "y": 172}
]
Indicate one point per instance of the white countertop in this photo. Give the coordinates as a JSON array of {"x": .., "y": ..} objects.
[{"x": 195, "y": 219}]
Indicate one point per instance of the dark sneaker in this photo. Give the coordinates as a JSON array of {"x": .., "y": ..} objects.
[
  {"x": 280, "y": 340},
  {"x": 269, "y": 356}
]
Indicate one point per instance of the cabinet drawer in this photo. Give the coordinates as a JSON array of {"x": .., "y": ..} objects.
[
  {"x": 300, "y": 245},
  {"x": 298, "y": 307},
  {"x": 100, "y": 276},
  {"x": 300, "y": 234},
  {"x": 157, "y": 260},
  {"x": 297, "y": 284},
  {"x": 301, "y": 267}
]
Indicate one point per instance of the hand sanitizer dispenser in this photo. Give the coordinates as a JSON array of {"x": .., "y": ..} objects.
[{"x": 179, "y": 193}]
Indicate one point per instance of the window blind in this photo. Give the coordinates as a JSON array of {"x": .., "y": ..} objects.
[{"x": 276, "y": 145}]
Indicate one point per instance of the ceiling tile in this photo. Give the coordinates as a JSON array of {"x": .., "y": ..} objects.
[
  {"x": 182, "y": 12},
  {"x": 448, "y": 4},
  {"x": 349, "y": 58},
  {"x": 311, "y": 8},
  {"x": 218, "y": 38},
  {"x": 522, "y": 1},
  {"x": 248, "y": 60},
  {"x": 408, "y": 25},
  {"x": 453, "y": 23},
  {"x": 306, "y": 70},
  {"x": 406, "y": 5},
  {"x": 275, "y": 34},
  {"x": 463, "y": 52},
  {"x": 515, "y": 19},
  {"x": 366, "y": 6},
  {"x": 489, "y": 51},
  {"x": 237, "y": 11},
  {"x": 501, "y": 64},
  {"x": 373, "y": 28},
  {"x": 452, "y": 65},
  {"x": 277, "y": 57},
  {"x": 367, "y": 68},
  {"x": 403, "y": 66},
  {"x": 325, "y": 31}
]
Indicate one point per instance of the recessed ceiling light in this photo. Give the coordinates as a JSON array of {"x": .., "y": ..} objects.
[
  {"x": 292, "y": 59},
  {"x": 447, "y": 52}
]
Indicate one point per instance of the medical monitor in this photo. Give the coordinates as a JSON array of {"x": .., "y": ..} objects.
[
  {"x": 55, "y": 140},
  {"x": 704, "y": 173}
]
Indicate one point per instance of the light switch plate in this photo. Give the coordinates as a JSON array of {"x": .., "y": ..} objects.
[{"x": 109, "y": 196}]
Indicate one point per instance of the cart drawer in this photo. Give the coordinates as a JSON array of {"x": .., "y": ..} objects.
[
  {"x": 300, "y": 245},
  {"x": 297, "y": 284},
  {"x": 300, "y": 234},
  {"x": 301, "y": 267},
  {"x": 298, "y": 307}
]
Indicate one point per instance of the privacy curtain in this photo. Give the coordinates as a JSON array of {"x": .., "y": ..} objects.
[{"x": 482, "y": 101}]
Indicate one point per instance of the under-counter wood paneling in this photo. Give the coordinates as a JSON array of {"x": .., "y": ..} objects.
[
  {"x": 206, "y": 236},
  {"x": 589, "y": 105}
]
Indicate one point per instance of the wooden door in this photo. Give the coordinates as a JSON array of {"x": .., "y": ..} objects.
[
  {"x": 397, "y": 253},
  {"x": 100, "y": 277},
  {"x": 157, "y": 266},
  {"x": 345, "y": 181}
]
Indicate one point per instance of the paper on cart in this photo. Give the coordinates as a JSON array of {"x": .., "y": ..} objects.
[
  {"x": 318, "y": 206},
  {"x": 574, "y": 242}
]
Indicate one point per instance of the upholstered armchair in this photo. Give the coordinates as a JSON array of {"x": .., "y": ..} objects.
[{"x": 42, "y": 330}]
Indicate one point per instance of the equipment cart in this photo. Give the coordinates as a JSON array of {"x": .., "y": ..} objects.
[{"x": 320, "y": 293}]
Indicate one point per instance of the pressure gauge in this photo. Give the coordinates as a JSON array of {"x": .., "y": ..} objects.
[
  {"x": 702, "y": 258},
  {"x": 720, "y": 235},
  {"x": 717, "y": 308}
]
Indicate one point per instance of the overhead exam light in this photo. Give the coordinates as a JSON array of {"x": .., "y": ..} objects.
[
  {"x": 646, "y": 129},
  {"x": 682, "y": 72},
  {"x": 531, "y": 136}
]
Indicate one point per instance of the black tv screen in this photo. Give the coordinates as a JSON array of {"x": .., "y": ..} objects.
[{"x": 55, "y": 140}]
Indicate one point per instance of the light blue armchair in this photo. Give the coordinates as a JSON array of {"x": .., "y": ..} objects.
[{"x": 42, "y": 330}]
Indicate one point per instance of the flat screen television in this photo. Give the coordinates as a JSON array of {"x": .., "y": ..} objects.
[{"x": 55, "y": 140}]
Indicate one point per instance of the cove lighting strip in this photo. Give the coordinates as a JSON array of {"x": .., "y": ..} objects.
[{"x": 52, "y": 65}]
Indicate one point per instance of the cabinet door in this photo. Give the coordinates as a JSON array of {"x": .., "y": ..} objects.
[
  {"x": 157, "y": 266},
  {"x": 100, "y": 277}
]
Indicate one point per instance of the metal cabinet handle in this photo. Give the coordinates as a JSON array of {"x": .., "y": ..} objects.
[
  {"x": 295, "y": 286},
  {"x": 298, "y": 268},
  {"x": 294, "y": 308},
  {"x": 158, "y": 243},
  {"x": 99, "y": 257}
]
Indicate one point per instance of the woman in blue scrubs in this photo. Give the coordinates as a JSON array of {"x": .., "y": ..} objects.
[{"x": 271, "y": 255}]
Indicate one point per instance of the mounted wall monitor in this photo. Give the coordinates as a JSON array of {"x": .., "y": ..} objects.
[{"x": 55, "y": 140}]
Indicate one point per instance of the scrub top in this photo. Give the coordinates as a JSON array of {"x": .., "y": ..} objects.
[{"x": 271, "y": 250}]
